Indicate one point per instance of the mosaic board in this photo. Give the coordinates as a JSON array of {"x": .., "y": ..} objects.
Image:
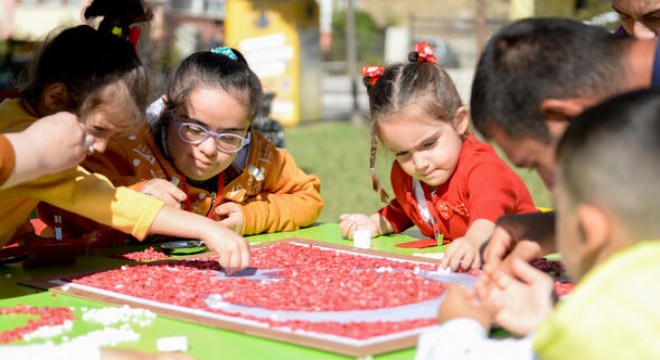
[{"x": 336, "y": 298}]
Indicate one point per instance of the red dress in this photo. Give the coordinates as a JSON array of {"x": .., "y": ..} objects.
[{"x": 483, "y": 186}]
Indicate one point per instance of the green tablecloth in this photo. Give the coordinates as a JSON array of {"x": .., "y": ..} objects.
[{"x": 204, "y": 342}]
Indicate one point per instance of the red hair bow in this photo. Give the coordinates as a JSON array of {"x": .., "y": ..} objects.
[
  {"x": 372, "y": 73},
  {"x": 424, "y": 52}
]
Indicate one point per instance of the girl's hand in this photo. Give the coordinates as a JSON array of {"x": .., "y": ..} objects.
[
  {"x": 232, "y": 249},
  {"x": 463, "y": 253},
  {"x": 523, "y": 299},
  {"x": 165, "y": 191},
  {"x": 231, "y": 216},
  {"x": 348, "y": 223},
  {"x": 461, "y": 302}
]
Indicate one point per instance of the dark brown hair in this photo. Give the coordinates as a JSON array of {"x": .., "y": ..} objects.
[{"x": 425, "y": 83}]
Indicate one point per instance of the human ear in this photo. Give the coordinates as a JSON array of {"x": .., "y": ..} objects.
[
  {"x": 557, "y": 113},
  {"x": 56, "y": 97},
  {"x": 595, "y": 232},
  {"x": 460, "y": 120},
  {"x": 563, "y": 109}
]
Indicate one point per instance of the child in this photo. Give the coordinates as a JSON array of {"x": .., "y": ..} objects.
[
  {"x": 99, "y": 77},
  {"x": 608, "y": 236},
  {"x": 445, "y": 181},
  {"x": 52, "y": 144},
  {"x": 200, "y": 154}
]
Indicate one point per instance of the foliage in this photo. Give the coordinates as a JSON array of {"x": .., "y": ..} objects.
[{"x": 370, "y": 38}]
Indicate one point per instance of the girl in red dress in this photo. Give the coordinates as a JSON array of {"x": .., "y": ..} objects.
[{"x": 444, "y": 180}]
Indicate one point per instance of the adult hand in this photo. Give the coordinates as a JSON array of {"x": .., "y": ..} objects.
[
  {"x": 348, "y": 223},
  {"x": 60, "y": 139},
  {"x": 231, "y": 216},
  {"x": 165, "y": 191},
  {"x": 51, "y": 144},
  {"x": 512, "y": 229}
]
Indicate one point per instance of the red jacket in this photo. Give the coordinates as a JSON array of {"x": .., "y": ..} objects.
[{"x": 483, "y": 186}]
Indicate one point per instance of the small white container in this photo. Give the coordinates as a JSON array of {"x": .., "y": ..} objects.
[{"x": 362, "y": 238}]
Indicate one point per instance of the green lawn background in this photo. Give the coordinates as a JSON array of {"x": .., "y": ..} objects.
[{"x": 338, "y": 153}]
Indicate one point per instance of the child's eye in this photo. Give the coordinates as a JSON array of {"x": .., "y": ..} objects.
[
  {"x": 429, "y": 143},
  {"x": 401, "y": 153},
  {"x": 97, "y": 129}
]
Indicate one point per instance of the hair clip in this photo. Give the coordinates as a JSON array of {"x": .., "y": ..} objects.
[
  {"x": 372, "y": 74},
  {"x": 134, "y": 33},
  {"x": 226, "y": 51},
  {"x": 423, "y": 53},
  {"x": 117, "y": 30}
]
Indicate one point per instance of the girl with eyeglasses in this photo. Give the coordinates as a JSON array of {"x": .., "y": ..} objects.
[{"x": 200, "y": 153}]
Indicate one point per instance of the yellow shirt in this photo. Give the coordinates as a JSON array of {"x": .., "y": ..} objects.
[
  {"x": 613, "y": 313},
  {"x": 75, "y": 190}
]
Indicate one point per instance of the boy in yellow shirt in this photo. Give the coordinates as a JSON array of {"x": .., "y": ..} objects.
[{"x": 609, "y": 236}]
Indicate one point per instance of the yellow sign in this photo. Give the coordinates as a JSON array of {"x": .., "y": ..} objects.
[{"x": 280, "y": 40}]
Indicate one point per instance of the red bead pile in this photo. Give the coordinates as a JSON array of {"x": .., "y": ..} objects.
[
  {"x": 548, "y": 266},
  {"x": 310, "y": 278},
  {"x": 148, "y": 254},
  {"x": 39, "y": 316}
]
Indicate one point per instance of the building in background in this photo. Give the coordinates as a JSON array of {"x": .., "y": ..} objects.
[{"x": 280, "y": 40}]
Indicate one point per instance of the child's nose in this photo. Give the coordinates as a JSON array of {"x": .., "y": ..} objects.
[
  {"x": 419, "y": 161},
  {"x": 209, "y": 146},
  {"x": 100, "y": 144}
]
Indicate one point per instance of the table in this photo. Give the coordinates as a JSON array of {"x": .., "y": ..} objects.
[{"x": 204, "y": 342}]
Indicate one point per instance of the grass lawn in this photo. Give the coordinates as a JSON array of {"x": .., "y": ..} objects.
[{"x": 338, "y": 153}]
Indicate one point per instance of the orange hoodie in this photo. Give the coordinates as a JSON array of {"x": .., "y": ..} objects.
[
  {"x": 274, "y": 194},
  {"x": 7, "y": 159}
]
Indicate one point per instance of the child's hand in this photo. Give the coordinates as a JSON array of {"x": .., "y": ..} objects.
[
  {"x": 462, "y": 253},
  {"x": 165, "y": 191},
  {"x": 232, "y": 249},
  {"x": 461, "y": 302},
  {"x": 525, "y": 250},
  {"x": 231, "y": 216},
  {"x": 523, "y": 300},
  {"x": 348, "y": 223}
]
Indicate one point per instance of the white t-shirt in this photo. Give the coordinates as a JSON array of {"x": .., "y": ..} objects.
[{"x": 465, "y": 339}]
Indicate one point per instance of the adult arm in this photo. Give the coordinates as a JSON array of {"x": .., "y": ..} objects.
[{"x": 532, "y": 231}]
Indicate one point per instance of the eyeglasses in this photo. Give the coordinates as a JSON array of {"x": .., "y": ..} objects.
[{"x": 192, "y": 133}]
